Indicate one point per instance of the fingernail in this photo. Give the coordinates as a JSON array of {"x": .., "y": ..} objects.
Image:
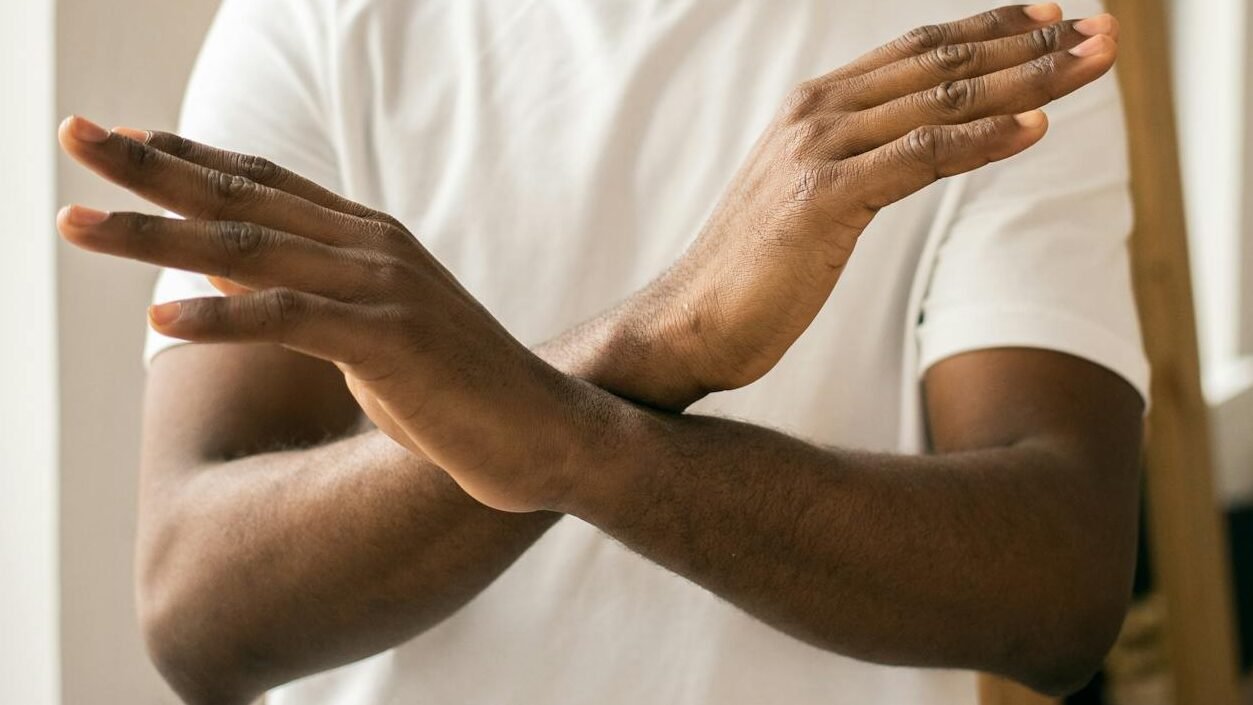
[
  {"x": 1031, "y": 119},
  {"x": 1092, "y": 26},
  {"x": 1091, "y": 46},
  {"x": 88, "y": 131},
  {"x": 82, "y": 215},
  {"x": 164, "y": 314},
  {"x": 137, "y": 135},
  {"x": 1043, "y": 12}
]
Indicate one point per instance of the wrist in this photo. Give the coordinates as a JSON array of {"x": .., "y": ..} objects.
[
  {"x": 658, "y": 353},
  {"x": 611, "y": 447}
]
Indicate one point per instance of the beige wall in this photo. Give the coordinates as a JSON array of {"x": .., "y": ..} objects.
[{"x": 118, "y": 62}]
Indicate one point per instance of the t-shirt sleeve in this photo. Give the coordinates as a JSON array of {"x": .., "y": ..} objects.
[
  {"x": 257, "y": 87},
  {"x": 1036, "y": 255}
]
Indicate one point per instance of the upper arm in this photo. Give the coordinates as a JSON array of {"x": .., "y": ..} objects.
[
  {"x": 1073, "y": 429},
  {"x": 1081, "y": 423},
  {"x": 1082, "y": 412},
  {"x": 206, "y": 403}
]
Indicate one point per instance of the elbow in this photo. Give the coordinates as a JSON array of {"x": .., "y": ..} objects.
[
  {"x": 187, "y": 637},
  {"x": 1060, "y": 677},
  {"x": 186, "y": 657},
  {"x": 1065, "y": 655},
  {"x": 1073, "y": 601}
]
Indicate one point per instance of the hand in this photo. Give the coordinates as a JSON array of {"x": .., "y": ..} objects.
[
  {"x": 939, "y": 101},
  {"x": 339, "y": 281},
  {"x": 335, "y": 280}
]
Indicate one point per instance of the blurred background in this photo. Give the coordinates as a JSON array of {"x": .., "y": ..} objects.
[{"x": 72, "y": 329}]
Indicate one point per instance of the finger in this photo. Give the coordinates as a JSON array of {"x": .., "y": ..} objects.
[
  {"x": 1001, "y": 22},
  {"x": 252, "y": 255},
  {"x": 1007, "y": 92},
  {"x": 306, "y": 323},
  {"x": 198, "y": 192},
  {"x": 933, "y": 152},
  {"x": 953, "y": 62},
  {"x": 258, "y": 169}
]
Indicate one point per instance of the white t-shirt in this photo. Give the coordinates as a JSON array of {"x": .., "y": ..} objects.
[{"x": 556, "y": 155}]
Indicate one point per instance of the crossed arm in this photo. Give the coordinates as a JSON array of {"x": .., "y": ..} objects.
[{"x": 1008, "y": 551}]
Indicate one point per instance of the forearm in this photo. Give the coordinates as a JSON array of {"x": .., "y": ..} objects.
[
  {"x": 269, "y": 567},
  {"x": 983, "y": 559},
  {"x": 257, "y": 570}
]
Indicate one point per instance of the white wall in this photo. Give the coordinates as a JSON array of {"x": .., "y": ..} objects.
[
  {"x": 1209, "y": 75},
  {"x": 1213, "y": 93},
  {"x": 29, "y": 671}
]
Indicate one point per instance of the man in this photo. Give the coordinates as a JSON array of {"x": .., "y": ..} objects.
[{"x": 547, "y": 526}]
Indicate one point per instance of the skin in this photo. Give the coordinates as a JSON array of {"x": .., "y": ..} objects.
[{"x": 275, "y": 542}]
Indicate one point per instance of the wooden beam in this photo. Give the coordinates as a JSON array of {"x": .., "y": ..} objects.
[
  {"x": 998, "y": 691},
  {"x": 1186, "y": 531}
]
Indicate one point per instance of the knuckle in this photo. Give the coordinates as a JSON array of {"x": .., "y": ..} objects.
[
  {"x": 922, "y": 39},
  {"x": 367, "y": 274},
  {"x": 1045, "y": 39},
  {"x": 144, "y": 225},
  {"x": 241, "y": 239},
  {"x": 802, "y": 139},
  {"x": 237, "y": 242},
  {"x": 952, "y": 58},
  {"x": 209, "y": 314},
  {"x": 812, "y": 180},
  {"x": 846, "y": 94},
  {"x": 1041, "y": 67},
  {"x": 231, "y": 188},
  {"x": 922, "y": 144},
  {"x": 258, "y": 169},
  {"x": 178, "y": 145},
  {"x": 391, "y": 221},
  {"x": 952, "y": 96},
  {"x": 139, "y": 156},
  {"x": 395, "y": 232},
  {"x": 141, "y": 233},
  {"x": 277, "y": 306},
  {"x": 803, "y": 99}
]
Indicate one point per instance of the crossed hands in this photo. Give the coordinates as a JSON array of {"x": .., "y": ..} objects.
[{"x": 316, "y": 273}]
